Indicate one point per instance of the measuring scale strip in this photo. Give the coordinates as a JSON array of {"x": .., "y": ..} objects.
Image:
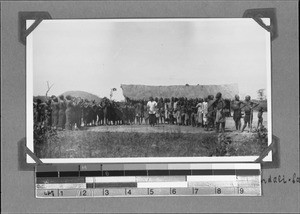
[
  {"x": 148, "y": 189},
  {"x": 113, "y": 180},
  {"x": 127, "y": 192}
]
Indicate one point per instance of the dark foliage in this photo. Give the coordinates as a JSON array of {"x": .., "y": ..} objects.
[{"x": 43, "y": 133}]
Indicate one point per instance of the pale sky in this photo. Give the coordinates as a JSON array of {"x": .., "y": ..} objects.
[{"x": 97, "y": 55}]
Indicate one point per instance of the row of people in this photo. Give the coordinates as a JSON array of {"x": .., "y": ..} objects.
[
  {"x": 209, "y": 113},
  {"x": 62, "y": 112}
]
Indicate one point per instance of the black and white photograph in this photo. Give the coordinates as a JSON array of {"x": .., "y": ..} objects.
[{"x": 148, "y": 90}]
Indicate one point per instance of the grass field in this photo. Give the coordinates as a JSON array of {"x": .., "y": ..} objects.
[{"x": 145, "y": 141}]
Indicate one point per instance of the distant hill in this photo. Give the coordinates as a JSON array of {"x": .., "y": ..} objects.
[{"x": 83, "y": 95}]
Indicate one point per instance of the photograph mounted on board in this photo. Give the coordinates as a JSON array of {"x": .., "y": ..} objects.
[{"x": 148, "y": 90}]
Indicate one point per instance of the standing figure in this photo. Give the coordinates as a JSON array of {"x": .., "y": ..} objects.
[
  {"x": 55, "y": 110},
  {"x": 237, "y": 112},
  {"x": 35, "y": 112},
  {"x": 179, "y": 111},
  {"x": 138, "y": 113},
  {"x": 253, "y": 105},
  {"x": 204, "y": 112},
  {"x": 146, "y": 112},
  {"x": 151, "y": 107},
  {"x": 157, "y": 113},
  {"x": 48, "y": 112},
  {"x": 166, "y": 110},
  {"x": 106, "y": 110},
  {"x": 185, "y": 113},
  {"x": 85, "y": 112},
  {"x": 41, "y": 111},
  {"x": 142, "y": 110},
  {"x": 190, "y": 111},
  {"x": 175, "y": 109},
  {"x": 161, "y": 107},
  {"x": 172, "y": 111},
  {"x": 210, "y": 112},
  {"x": 69, "y": 113},
  {"x": 248, "y": 110},
  {"x": 79, "y": 113},
  {"x": 260, "y": 118},
  {"x": 94, "y": 113},
  {"x": 61, "y": 113},
  {"x": 220, "y": 114},
  {"x": 194, "y": 116},
  {"x": 199, "y": 107}
]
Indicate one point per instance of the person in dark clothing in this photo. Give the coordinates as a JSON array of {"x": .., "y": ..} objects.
[
  {"x": 260, "y": 118},
  {"x": 142, "y": 111},
  {"x": 38, "y": 110},
  {"x": 210, "y": 113},
  {"x": 41, "y": 112},
  {"x": 220, "y": 114},
  {"x": 161, "y": 110},
  {"x": 54, "y": 112},
  {"x": 138, "y": 113},
  {"x": 69, "y": 113},
  {"x": 48, "y": 113},
  {"x": 248, "y": 110},
  {"x": 146, "y": 112},
  {"x": 61, "y": 113},
  {"x": 78, "y": 112},
  {"x": 237, "y": 112}
]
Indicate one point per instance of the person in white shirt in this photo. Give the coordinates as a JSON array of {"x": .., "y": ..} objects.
[
  {"x": 151, "y": 107},
  {"x": 199, "y": 106},
  {"x": 204, "y": 111}
]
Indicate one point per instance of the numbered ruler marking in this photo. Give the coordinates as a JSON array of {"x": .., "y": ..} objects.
[
  {"x": 158, "y": 191},
  {"x": 181, "y": 191},
  {"x": 75, "y": 192},
  {"x": 248, "y": 191},
  {"x": 114, "y": 192},
  {"x": 136, "y": 192},
  {"x": 203, "y": 191},
  {"x": 224, "y": 190},
  {"x": 153, "y": 180},
  {"x": 127, "y": 192}
]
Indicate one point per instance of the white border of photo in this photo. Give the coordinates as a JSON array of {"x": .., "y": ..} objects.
[{"x": 29, "y": 107}]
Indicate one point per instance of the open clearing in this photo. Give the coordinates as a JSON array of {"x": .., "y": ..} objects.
[{"x": 113, "y": 141}]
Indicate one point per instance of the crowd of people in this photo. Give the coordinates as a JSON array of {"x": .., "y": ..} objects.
[
  {"x": 62, "y": 113},
  {"x": 209, "y": 113},
  {"x": 69, "y": 113}
]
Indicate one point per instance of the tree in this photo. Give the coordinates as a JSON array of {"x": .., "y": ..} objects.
[{"x": 49, "y": 87}]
